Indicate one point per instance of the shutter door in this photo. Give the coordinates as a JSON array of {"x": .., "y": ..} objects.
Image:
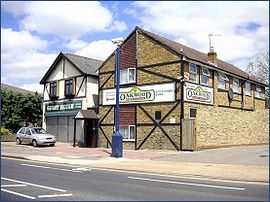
[
  {"x": 62, "y": 128},
  {"x": 51, "y": 125}
]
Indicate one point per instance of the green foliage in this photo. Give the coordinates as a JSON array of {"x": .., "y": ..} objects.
[
  {"x": 20, "y": 110},
  {"x": 5, "y": 132}
]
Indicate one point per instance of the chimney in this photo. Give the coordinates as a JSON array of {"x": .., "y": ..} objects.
[{"x": 212, "y": 56}]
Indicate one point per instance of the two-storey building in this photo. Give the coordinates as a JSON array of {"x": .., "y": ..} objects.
[
  {"x": 175, "y": 97},
  {"x": 71, "y": 99}
]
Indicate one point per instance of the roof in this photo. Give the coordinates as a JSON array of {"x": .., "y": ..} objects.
[
  {"x": 16, "y": 89},
  {"x": 193, "y": 54},
  {"x": 83, "y": 64},
  {"x": 86, "y": 114}
]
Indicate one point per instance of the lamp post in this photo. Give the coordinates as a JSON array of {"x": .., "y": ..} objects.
[{"x": 117, "y": 139}]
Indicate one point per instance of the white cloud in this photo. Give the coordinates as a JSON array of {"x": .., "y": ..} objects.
[
  {"x": 76, "y": 44},
  {"x": 190, "y": 23},
  {"x": 35, "y": 87},
  {"x": 98, "y": 49},
  {"x": 68, "y": 20},
  {"x": 23, "y": 59}
]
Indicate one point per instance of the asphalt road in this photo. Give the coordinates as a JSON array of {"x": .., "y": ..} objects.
[{"x": 27, "y": 180}]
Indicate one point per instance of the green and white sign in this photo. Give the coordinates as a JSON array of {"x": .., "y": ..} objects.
[
  {"x": 64, "y": 106},
  {"x": 141, "y": 94},
  {"x": 198, "y": 93}
]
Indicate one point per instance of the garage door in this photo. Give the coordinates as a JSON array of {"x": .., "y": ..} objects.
[{"x": 62, "y": 127}]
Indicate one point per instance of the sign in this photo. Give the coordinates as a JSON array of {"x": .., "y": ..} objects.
[
  {"x": 197, "y": 93},
  {"x": 141, "y": 94},
  {"x": 63, "y": 106}
]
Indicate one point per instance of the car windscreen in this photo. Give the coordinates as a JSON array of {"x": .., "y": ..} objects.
[{"x": 38, "y": 131}]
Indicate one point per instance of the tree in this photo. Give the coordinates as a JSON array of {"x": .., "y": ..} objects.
[
  {"x": 259, "y": 69},
  {"x": 20, "y": 110}
]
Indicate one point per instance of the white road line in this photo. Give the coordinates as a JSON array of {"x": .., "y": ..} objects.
[
  {"x": 62, "y": 169},
  {"x": 56, "y": 195},
  {"x": 12, "y": 185},
  {"x": 18, "y": 194},
  {"x": 189, "y": 184},
  {"x": 34, "y": 185}
]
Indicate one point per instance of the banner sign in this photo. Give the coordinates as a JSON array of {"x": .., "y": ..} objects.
[
  {"x": 197, "y": 93},
  {"x": 64, "y": 106},
  {"x": 141, "y": 94}
]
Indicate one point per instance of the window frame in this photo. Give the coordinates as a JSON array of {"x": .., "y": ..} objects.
[
  {"x": 190, "y": 108},
  {"x": 53, "y": 89},
  {"x": 205, "y": 75},
  {"x": 127, "y": 76},
  {"x": 224, "y": 78},
  {"x": 70, "y": 87},
  {"x": 236, "y": 85},
  {"x": 248, "y": 92},
  {"x": 129, "y": 134},
  {"x": 193, "y": 73},
  {"x": 258, "y": 91}
]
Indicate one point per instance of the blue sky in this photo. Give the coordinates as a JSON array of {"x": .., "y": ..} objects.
[{"x": 33, "y": 33}]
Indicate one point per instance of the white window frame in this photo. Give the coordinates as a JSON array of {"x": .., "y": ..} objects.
[
  {"x": 258, "y": 92},
  {"x": 127, "y": 80},
  {"x": 194, "y": 73},
  {"x": 236, "y": 85},
  {"x": 129, "y": 129},
  {"x": 248, "y": 90},
  {"x": 223, "y": 78},
  {"x": 205, "y": 75}
]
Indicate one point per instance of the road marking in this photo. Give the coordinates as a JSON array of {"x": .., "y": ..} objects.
[
  {"x": 13, "y": 185},
  {"x": 55, "y": 195},
  {"x": 75, "y": 170},
  {"x": 189, "y": 184},
  {"x": 18, "y": 194},
  {"x": 34, "y": 185}
]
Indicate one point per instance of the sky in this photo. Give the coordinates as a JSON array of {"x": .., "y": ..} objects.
[{"x": 34, "y": 33}]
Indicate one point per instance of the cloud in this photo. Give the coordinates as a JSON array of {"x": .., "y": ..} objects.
[
  {"x": 23, "y": 57},
  {"x": 192, "y": 22},
  {"x": 76, "y": 44},
  {"x": 69, "y": 20},
  {"x": 35, "y": 87},
  {"x": 98, "y": 49}
]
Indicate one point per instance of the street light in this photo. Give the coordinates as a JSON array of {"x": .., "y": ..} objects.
[{"x": 117, "y": 139}]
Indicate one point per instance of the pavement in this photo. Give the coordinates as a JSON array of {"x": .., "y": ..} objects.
[{"x": 243, "y": 163}]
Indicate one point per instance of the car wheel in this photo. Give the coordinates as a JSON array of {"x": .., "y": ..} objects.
[
  {"x": 18, "y": 141},
  {"x": 34, "y": 142},
  {"x": 52, "y": 145}
]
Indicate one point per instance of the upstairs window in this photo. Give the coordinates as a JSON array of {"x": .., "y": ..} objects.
[
  {"x": 193, "y": 72},
  {"x": 258, "y": 93},
  {"x": 128, "y": 132},
  {"x": 127, "y": 75},
  {"x": 205, "y": 76},
  {"x": 236, "y": 85},
  {"x": 222, "y": 80},
  {"x": 248, "y": 88},
  {"x": 53, "y": 89},
  {"x": 69, "y": 87}
]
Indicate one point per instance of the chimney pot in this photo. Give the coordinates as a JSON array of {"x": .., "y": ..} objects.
[{"x": 212, "y": 56}]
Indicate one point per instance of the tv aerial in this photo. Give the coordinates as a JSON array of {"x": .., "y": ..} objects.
[{"x": 210, "y": 44}]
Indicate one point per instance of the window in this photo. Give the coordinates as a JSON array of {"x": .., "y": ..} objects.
[
  {"x": 248, "y": 88},
  {"x": 127, "y": 75},
  {"x": 128, "y": 132},
  {"x": 193, "y": 71},
  {"x": 205, "y": 76},
  {"x": 258, "y": 93},
  {"x": 22, "y": 131},
  {"x": 236, "y": 85},
  {"x": 158, "y": 115},
  {"x": 192, "y": 113},
  {"x": 222, "y": 79},
  {"x": 69, "y": 87},
  {"x": 53, "y": 89}
]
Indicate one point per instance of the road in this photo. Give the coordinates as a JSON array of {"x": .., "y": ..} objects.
[{"x": 23, "y": 180}]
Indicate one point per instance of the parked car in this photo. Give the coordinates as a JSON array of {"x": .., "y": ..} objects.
[{"x": 35, "y": 136}]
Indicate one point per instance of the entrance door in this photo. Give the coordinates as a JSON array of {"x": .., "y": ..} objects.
[
  {"x": 91, "y": 133},
  {"x": 188, "y": 135}
]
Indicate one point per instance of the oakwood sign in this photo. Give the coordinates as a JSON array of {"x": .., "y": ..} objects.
[
  {"x": 197, "y": 93},
  {"x": 141, "y": 94}
]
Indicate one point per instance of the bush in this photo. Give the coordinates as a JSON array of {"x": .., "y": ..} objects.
[{"x": 5, "y": 132}]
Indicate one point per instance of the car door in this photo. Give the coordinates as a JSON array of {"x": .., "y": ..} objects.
[
  {"x": 28, "y": 136},
  {"x": 21, "y": 134}
]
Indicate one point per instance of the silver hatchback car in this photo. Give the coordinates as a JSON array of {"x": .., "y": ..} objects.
[{"x": 35, "y": 136}]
